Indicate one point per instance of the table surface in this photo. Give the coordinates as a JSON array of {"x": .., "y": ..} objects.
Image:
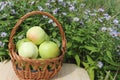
[{"x": 68, "y": 72}]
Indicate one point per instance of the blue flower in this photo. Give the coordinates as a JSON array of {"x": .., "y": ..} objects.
[
  {"x": 100, "y": 64},
  {"x": 71, "y": 8},
  {"x": 101, "y": 10},
  {"x": 55, "y": 11},
  {"x": 3, "y": 34},
  {"x": 115, "y": 21}
]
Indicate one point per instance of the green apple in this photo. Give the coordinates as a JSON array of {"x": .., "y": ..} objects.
[
  {"x": 18, "y": 44},
  {"x": 28, "y": 50},
  {"x": 36, "y": 34},
  {"x": 49, "y": 49}
]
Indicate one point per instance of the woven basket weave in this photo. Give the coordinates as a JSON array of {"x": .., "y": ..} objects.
[{"x": 33, "y": 69}]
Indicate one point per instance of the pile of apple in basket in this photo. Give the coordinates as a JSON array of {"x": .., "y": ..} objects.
[{"x": 37, "y": 45}]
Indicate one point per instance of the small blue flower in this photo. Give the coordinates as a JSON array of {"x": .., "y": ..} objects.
[
  {"x": 100, "y": 64},
  {"x": 114, "y": 33},
  {"x": 3, "y": 34},
  {"x": 2, "y": 5},
  {"x": 55, "y": 11},
  {"x": 72, "y": 8},
  {"x": 115, "y": 21},
  {"x": 101, "y": 10},
  {"x": 13, "y": 11},
  {"x": 107, "y": 16}
]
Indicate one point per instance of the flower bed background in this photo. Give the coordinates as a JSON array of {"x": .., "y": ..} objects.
[{"x": 92, "y": 29}]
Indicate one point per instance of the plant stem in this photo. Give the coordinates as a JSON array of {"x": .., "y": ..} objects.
[{"x": 116, "y": 75}]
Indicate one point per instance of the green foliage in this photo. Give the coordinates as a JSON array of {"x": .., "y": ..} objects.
[{"x": 92, "y": 29}]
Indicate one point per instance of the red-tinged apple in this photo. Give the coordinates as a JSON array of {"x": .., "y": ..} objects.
[
  {"x": 36, "y": 34},
  {"x": 18, "y": 44},
  {"x": 49, "y": 49},
  {"x": 28, "y": 50}
]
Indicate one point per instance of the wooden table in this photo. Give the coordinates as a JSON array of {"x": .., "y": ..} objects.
[{"x": 68, "y": 72}]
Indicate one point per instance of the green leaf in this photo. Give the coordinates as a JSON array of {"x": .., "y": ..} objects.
[
  {"x": 86, "y": 65},
  {"x": 91, "y": 48},
  {"x": 109, "y": 54},
  {"x": 91, "y": 73},
  {"x": 90, "y": 60},
  {"x": 77, "y": 58},
  {"x": 108, "y": 60},
  {"x": 69, "y": 44}
]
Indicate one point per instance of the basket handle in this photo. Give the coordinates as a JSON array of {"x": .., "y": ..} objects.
[{"x": 11, "y": 44}]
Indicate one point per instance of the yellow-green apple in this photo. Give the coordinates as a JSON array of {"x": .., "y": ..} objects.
[
  {"x": 49, "y": 49},
  {"x": 19, "y": 42},
  {"x": 36, "y": 34},
  {"x": 28, "y": 50}
]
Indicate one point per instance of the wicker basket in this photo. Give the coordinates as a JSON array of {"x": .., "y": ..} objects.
[{"x": 33, "y": 69}]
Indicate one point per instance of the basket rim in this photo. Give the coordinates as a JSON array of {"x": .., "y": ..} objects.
[{"x": 12, "y": 47}]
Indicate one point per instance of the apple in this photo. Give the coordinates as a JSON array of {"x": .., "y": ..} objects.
[
  {"x": 49, "y": 49},
  {"x": 18, "y": 44},
  {"x": 28, "y": 50},
  {"x": 36, "y": 34}
]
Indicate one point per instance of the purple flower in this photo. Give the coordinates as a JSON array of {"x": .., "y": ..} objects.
[
  {"x": 71, "y": 8},
  {"x": 114, "y": 33},
  {"x": 2, "y": 5},
  {"x": 55, "y": 11},
  {"x": 13, "y": 11},
  {"x": 101, "y": 10},
  {"x": 3, "y": 34},
  {"x": 100, "y": 64},
  {"x": 107, "y": 16},
  {"x": 115, "y": 21}
]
